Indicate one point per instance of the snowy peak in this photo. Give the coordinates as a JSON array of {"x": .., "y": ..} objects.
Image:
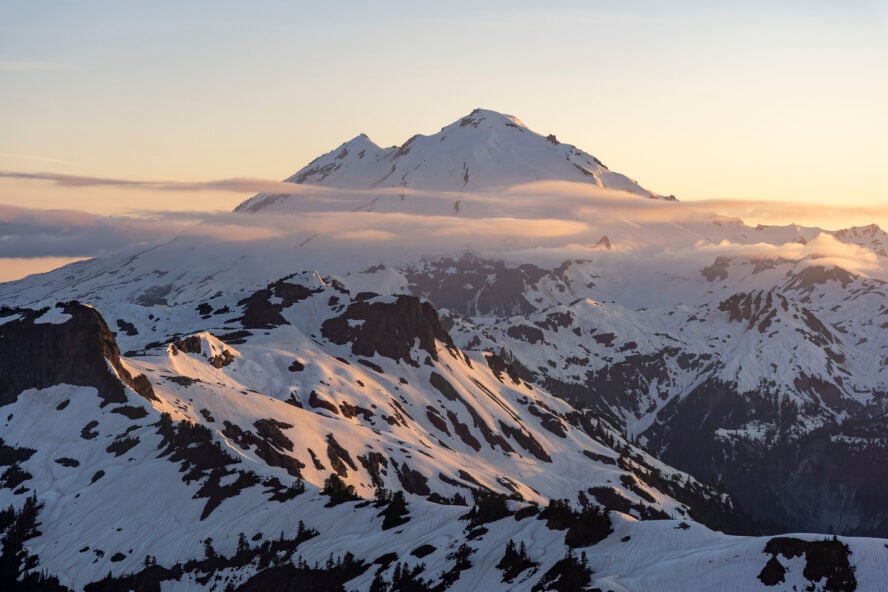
[
  {"x": 485, "y": 118},
  {"x": 355, "y": 150},
  {"x": 482, "y": 151},
  {"x": 872, "y": 237}
]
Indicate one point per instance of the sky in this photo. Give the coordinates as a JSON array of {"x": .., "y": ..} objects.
[{"x": 754, "y": 101}]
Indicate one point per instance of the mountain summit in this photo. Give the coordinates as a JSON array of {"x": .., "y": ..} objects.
[{"x": 483, "y": 151}]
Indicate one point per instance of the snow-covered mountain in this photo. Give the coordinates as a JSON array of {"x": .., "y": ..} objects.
[
  {"x": 482, "y": 151},
  {"x": 508, "y": 354}
]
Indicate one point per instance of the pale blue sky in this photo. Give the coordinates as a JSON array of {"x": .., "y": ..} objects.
[{"x": 774, "y": 100}]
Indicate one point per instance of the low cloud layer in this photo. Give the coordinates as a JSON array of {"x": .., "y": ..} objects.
[
  {"x": 544, "y": 221},
  {"x": 27, "y": 232},
  {"x": 824, "y": 250}
]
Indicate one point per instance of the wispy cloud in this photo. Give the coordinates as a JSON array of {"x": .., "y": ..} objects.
[
  {"x": 35, "y": 158},
  {"x": 31, "y": 233},
  {"x": 237, "y": 185}
]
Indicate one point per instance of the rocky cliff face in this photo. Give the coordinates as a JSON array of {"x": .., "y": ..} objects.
[
  {"x": 70, "y": 344},
  {"x": 388, "y": 328}
]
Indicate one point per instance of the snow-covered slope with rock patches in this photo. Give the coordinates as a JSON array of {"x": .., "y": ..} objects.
[
  {"x": 484, "y": 150},
  {"x": 762, "y": 374},
  {"x": 135, "y": 461},
  {"x": 261, "y": 452},
  {"x": 481, "y": 344}
]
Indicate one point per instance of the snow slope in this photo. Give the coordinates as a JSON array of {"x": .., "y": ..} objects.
[{"x": 308, "y": 387}]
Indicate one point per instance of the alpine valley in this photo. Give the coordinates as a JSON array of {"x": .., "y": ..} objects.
[{"x": 481, "y": 360}]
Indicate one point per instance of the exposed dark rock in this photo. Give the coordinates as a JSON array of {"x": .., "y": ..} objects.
[
  {"x": 270, "y": 430},
  {"x": 472, "y": 286},
  {"x": 412, "y": 481},
  {"x": 371, "y": 365},
  {"x": 463, "y": 431},
  {"x": 815, "y": 275},
  {"x": 339, "y": 457},
  {"x": 318, "y": 465},
  {"x": 10, "y": 455},
  {"x": 375, "y": 464},
  {"x": 182, "y": 380},
  {"x": 423, "y": 551},
  {"x": 436, "y": 420},
  {"x": 193, "y": 345},
  {"x": 526, "y": 440},
  {"x": 608, "y": 460},
  {"x": 718, "y": 270},
  {"x": 131, "y": 411},
  {"x": 318, "y": 403},
  {"x": 498, "y": 366},
  {"x": 155, "y": 295},
  {"x": 349, "y": 410},
  {"x": 526, "y": 333},
  {"x": 605, "y": 339},
  {"x": 612, "y": 499},
  {"x": 826, "y": 559},
  {"x": 128, "y": 328},
  {"x": 389, "y": 329},
  {"x": 235, "y": 337},
  {"x": 268, "y": 442},
  {"x": 260, "y": 313},
  {"x": 550, "y": 421},
  {"x": 77, "y": 352}
]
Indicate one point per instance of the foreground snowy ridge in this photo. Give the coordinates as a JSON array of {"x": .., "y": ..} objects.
[{"x": 255, "y": 427}]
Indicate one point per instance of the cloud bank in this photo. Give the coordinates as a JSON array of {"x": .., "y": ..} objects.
[{"x": 543, "y": 221}]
